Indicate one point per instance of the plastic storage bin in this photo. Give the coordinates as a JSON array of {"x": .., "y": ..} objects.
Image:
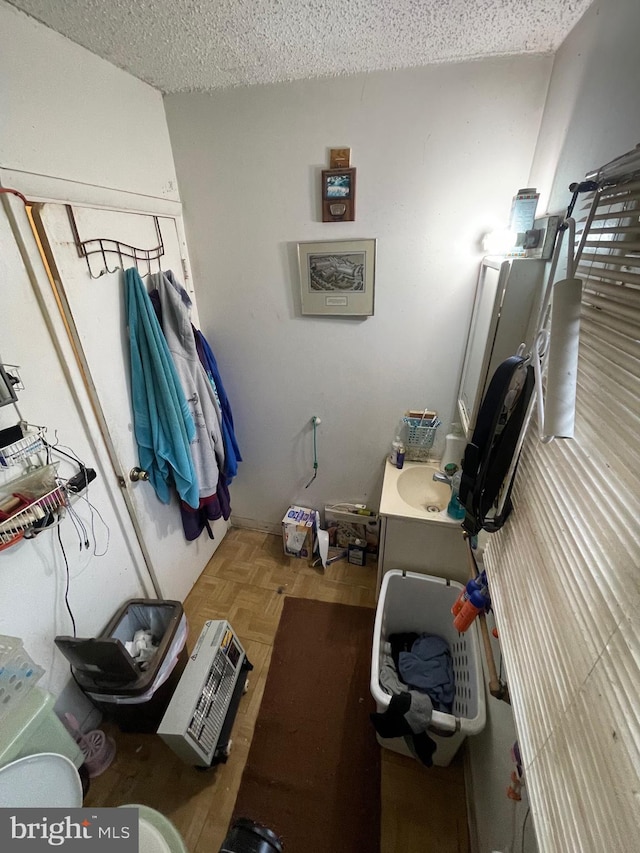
[
  {"x": 415, "y": 603},
  {"x": 134, "y": 695},
  {"x": 33, "y": 727},
  {"x": 18, "y": 674}
]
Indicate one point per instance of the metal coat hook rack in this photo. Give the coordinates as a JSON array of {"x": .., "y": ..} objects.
[{"x": 103, "y": 246}]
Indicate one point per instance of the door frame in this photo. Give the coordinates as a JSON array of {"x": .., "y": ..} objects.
[
  {"x": 57, "y": 286},
  {"x": 33, "y": 244}
]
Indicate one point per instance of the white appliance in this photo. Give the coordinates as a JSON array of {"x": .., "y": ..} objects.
[{"x": 198, "y": 720}]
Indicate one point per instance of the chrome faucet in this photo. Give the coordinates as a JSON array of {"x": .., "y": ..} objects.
[{"x": 441, "y": 477}]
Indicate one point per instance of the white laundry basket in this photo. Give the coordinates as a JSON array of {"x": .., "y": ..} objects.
[{"x": 415, "y": 603}]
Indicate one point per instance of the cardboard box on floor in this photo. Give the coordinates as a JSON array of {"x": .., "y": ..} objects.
[
  {"x": 299, "y": 531},
  {"x": 345, "y": 528}
]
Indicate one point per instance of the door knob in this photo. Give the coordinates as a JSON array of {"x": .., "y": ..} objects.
[{"x": 136, "y": 474}]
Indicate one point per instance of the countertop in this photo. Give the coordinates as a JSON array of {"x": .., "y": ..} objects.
[{"x": 392, "y": 504}]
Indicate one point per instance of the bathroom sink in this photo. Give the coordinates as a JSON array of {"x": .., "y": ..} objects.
[
  {"x": 412, "y": 493},
  {"x": 417, "y": 487}
]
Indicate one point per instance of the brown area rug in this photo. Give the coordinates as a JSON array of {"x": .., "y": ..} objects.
[{"x": 313, "y": 772}]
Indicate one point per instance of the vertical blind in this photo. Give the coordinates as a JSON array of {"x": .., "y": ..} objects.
[{"x": 565, "y": 570}]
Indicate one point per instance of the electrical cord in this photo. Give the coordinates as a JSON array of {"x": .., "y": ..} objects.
[
  {"x": 524, "y": 823},
  {"x": 83, "y": 537},
  {"x": 34, "y": 532},
  {"x": 68, "y": 606},
  {"x": 81, "y": 530},
  {"x": 540, "y": 347},
  {"x": 79, "y": 525},
  {"x": 71, "y": 455},
  {"x": 93, "y": 509},
  {"x": 68, "y": 582}
]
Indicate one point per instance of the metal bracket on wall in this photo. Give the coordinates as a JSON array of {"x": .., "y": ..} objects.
[{"x": 103, "y": 247}]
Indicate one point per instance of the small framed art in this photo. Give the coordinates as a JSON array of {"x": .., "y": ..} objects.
[
  {"x": 338, "y": 195},
  {"x": 337, "y": 277},
  {"x": 339, "y": 158}
]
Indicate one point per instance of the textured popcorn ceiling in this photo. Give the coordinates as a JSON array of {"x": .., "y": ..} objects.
[{"x": 196, "y": 45}]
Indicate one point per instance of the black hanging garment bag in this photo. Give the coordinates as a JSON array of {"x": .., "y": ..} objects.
[{"x": 488, "y": 456}]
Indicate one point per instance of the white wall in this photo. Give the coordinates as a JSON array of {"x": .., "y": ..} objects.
[
  {"x": 499, "y": 823},
  {"x": 591, "y": 118},
  {"x": 70, "y": 120},
  {"x": 587, "y": 122},
  {"x": 69, "y": 115},
  {"x": 591, "y": 115},
  {"x": 439, "y": 153}
]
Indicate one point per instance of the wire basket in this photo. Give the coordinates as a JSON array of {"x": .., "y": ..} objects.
[
  {"x": 420, "y": 437},
  {"x": 28, "y": 501},
  {"x": 22, "y": 449},
  {"x": 32, "y": 513}
]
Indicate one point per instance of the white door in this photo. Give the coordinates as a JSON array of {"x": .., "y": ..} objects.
[{"x": 94, "y": 303}]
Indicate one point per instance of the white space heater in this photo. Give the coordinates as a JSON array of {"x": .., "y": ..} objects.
[{"x": 198, "y": 720}]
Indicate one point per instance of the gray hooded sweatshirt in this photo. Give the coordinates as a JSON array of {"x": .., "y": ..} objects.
[{"x": 207, "y": 447}]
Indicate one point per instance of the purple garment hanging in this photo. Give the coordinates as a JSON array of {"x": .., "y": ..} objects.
[{"x": 194, "y": 521}]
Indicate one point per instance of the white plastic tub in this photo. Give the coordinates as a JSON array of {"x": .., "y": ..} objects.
[{"x": 411, "y": 602}]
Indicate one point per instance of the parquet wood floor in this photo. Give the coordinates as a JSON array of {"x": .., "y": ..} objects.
[{"x": 423, "y": 809}]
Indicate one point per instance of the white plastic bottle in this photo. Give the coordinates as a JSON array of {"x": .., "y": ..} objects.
[
  {"x": 397, "y": 444},
  {"x": 454, "y": 446}
]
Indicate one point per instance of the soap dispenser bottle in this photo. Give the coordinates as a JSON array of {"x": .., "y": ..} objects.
[
  {"x": 455, "y": 508},
  {"x": 398, "y": 446}
]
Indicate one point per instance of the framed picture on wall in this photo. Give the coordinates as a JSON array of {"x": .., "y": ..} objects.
[
  {"x": 337, "y": 277},
  {"x": 338, "y": 195}
]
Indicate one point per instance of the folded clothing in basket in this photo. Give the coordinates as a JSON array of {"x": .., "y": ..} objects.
[
  {"x": 424, "y": 662},
  {"x": 417, "y": 672},
  {"x": 418, "y": 713},
  {"x": 408, "y": 714}
]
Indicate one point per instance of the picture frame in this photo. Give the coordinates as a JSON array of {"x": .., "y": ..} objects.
[
  {"x": 339, "y": 158},
  {"x": 338, "y": 195},
  {"x": 337, "y": 277}
]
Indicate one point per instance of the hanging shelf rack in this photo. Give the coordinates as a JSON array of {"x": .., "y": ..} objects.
[
  {"x": 30, "y": 444},
  {"x": 29, "y": 499},
  {"x": 14, "y": 527},
  {"x": 103, "y": 246}
]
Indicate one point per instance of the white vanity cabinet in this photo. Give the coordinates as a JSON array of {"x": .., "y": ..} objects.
[
  {"x": 416, "y": 533},
  {"x": 506, "y": 305},
  {"x": 429, "y": 547}
]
